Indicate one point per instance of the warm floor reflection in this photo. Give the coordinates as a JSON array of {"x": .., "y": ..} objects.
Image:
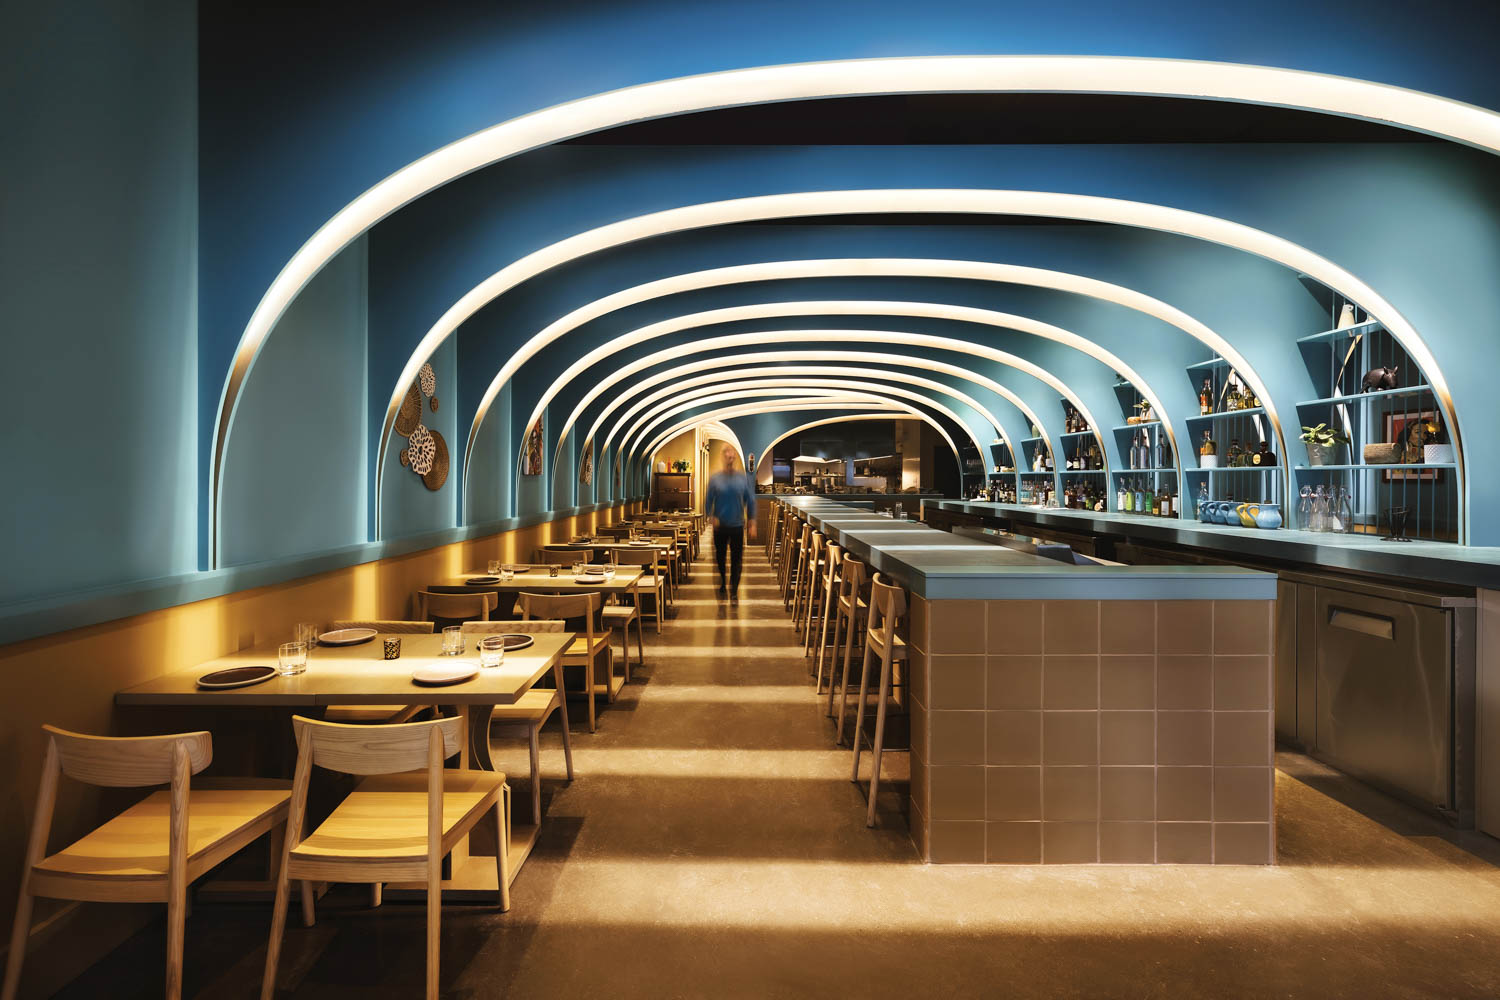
[{"x": 713, "y": 846}]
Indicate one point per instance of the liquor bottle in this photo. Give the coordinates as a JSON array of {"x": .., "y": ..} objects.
[{"x": 1206, "y": 398}]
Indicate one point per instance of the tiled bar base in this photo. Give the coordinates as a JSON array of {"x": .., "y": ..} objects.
[{"x": 1131, "y": 732}]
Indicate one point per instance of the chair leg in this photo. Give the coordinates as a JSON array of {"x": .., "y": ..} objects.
[
  {"x": 885, "y": 691},
  {"x": 534, "y": 732},
  {"x": 278, "y": 929},
  {"x": 19, "y": 933},
  {"x": 434, "y": 924},
  {"x": 859, "y": 710}
]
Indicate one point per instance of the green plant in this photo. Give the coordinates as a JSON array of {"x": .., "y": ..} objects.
[{"x": 1324, "y": 435}]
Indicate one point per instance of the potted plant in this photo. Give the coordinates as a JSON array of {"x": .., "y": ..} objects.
[{"x": 1324, "y": 444}]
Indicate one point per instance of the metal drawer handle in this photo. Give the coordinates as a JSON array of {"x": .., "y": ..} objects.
[{"x": 1357, "y": 621}]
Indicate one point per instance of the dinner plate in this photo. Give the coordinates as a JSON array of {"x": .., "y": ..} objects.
[
  {"x": 236, "y": 677},
  {"x": 347, "y": 636},
  {"x": 481, "y": 581},
  {"x": 439, "y": 674}
]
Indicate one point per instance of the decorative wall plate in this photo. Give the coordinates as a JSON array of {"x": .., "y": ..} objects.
[
  {"x": 409, "y": 417},
  {"x": 437, "y": 475},
  {"x": 427, "y": 378},
  {"x": 422, "y": 450}
]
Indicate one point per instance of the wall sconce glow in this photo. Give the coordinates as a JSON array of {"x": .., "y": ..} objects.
[{"x": 941, "y": 74}]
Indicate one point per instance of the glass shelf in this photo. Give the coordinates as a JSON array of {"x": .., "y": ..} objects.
[
  {"x": 1254, "y": 411},
  {"x": 1328, "y": 336},
  {"x": 1413, "y": 390}
]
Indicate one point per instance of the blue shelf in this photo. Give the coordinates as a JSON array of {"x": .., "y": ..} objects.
[{"x": 1412, "y": 390}]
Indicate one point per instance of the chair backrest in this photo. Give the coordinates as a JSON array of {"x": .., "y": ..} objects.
[
  {"x": 529, "y": 627},
  {"x": 128, "y": 761},
  {"x": 562, "y": 557},
  {"x": 392, "y": 749},
  {"x": 382, "y": 625},
  {"x": 456, "y": 606},
  {"x": 887, "y": 606},
  {"x": 568, "y": 607}
]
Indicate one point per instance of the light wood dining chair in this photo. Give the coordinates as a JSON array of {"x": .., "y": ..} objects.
[
  {"x": 652, "y": 583},
  {"x": 530, "y": 714},
  {"x": 586, "y": 650},
  {"x": 887, "y": 607},
  {"x": 151, "y": 852},
  {"x": 457, "y": 608},
  {"x": 826, "y": 591},
  {"x": 377, "y": 713},
  {"x": 398, "y": 824},
  {"x": 850, "y": 612}
]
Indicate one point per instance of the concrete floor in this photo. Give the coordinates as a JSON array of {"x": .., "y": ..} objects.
[{"x": 712, "y": 845}]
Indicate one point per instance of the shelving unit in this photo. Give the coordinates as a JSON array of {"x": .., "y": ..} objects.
[
  {"x": 1158, "y": 470},
  {"x": 1337, "y": 360}
]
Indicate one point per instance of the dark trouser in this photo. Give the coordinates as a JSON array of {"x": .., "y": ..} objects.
[{"x": 730, "y": 541}]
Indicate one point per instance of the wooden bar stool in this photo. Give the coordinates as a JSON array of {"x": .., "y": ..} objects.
[
  {"x": 151, "y": 852},
  {"x": 851, "y": 612},
  {"x": 396, "y": 826},
  {"x": 887, "y": 607},
  {"x": 530, "y": 714},
  {"x": 827, "y": 594}
]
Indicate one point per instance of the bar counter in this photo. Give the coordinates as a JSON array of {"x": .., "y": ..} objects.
[{"x": 1077, "y": 714}]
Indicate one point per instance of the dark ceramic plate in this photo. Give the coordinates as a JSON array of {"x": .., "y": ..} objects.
[{"x": 236, "y": 677}]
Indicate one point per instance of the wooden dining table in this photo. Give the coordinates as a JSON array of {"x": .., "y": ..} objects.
[{"x": 360, "y": 675}]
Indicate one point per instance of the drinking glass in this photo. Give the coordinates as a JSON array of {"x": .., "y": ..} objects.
[
  {"x": 453, "y": 640},
  {"x": 291, "y": 658},
  {"x": 492, "y": 651},
  {"x": 493, "y": 567},
  {"x": 307, "y": 634}
]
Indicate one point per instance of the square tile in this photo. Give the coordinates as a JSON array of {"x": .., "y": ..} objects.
[
  {"x": 955, "y": 792},
  {"x": 1013, "y": 682},
  {"x": 1184, "y": 843},
  {"x": 1070, "y": 627},
  {"x": 1127, "y": 737},
  {"x": 1127, "y": 843},
  {"x": 1070, "y": 737},
  {"x": 955, "y": 737},
  {"x": 1242, "y": 794},
  {"x": 1184, "y": 682},
  {"x": 1242, "y": 683},
  {"x": 1243, "y": 738},
  {"x": 917, "y": 617},
  {"x": 1013, "y": 737},
  {"x": 1013, "y": 793},
  {"x": 955, "y": 682},
  {"x": 1242, "y": 844},
  {"x": 1127, "y": 681},
  {"x": 1070, "y": 843},
  {"x": 1128, "y": 626},
  {"x": 1127, "y": 793},
  {"x": 1014, "y": 626},
  {"x": 1070, "y": 793},
  {"x": 1013, "y": 843},
  {"x": 1184, "y": 737},
  {"x": 1184, "y": 627},
  {"x": 1070, "y": 682},
  {"x": 950, "y": 843},
  {"x": 955, "y": 627},
  {"x": 1184, "y": 793},
  {"x": 1242, "y": 627}
]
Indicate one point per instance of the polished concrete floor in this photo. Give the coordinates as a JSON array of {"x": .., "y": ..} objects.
[{"x": 712, "y": 845}]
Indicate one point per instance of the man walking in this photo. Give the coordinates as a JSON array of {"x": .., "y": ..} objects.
[{"x": 731, "y": 505}]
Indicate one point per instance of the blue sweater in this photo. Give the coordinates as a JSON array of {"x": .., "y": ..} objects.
[{"x": 730, "y": 498}]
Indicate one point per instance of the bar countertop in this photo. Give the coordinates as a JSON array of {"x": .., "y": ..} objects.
[
  {"x": 1435, "y": 562},
  {"x": 939, "y": 565}
]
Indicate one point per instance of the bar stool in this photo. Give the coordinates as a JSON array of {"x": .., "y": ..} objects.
[
  {"x": 827, "y": 594},
  {"x": 887, "y": 606},
  {"x": 850, "y": 612}
]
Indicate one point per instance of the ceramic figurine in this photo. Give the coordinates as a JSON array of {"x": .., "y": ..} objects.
[{"x": 1379, "y": 378}]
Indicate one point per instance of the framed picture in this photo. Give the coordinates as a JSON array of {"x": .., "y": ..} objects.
[
  {"x": 1411, "y": 431},
  {"x": 586, "y": 464},
  {"x": 531, "y": 458}
]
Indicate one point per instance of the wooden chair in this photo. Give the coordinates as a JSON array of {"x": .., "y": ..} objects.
[
  {"x": 377, "y": 713},
  {"x": 536, "y": 706},
  {"x": 850, "y": 610},
  {"x": 652, "y": 585},
  {"x": 887, "y": 607},
  {"x": 396, "y": 826},
  {"x": 825, "y": 591},
  {"x": 585, "y": 650},
  {"x": 151, "y": 852},
  {"x": 456, "y": 608}
]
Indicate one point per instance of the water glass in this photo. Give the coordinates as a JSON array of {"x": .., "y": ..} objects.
[
  {"x": 307, "y": 634},
  {"x": 492, "y": 651},
  {"x": 493, "y": 567},
  {"x": 453, "y": 640},
  {"x": 291, "y": 658}
]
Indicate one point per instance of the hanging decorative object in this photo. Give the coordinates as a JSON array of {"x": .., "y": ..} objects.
[
  {"x": 437, "y": 472},
  {"x": 422, "y": 449},
  {"x": 427, "y": 379},
  {"x": 410, "y": 415},
  {"x": 531, "y": 458},
  {"x": 586, "y": 464}
]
